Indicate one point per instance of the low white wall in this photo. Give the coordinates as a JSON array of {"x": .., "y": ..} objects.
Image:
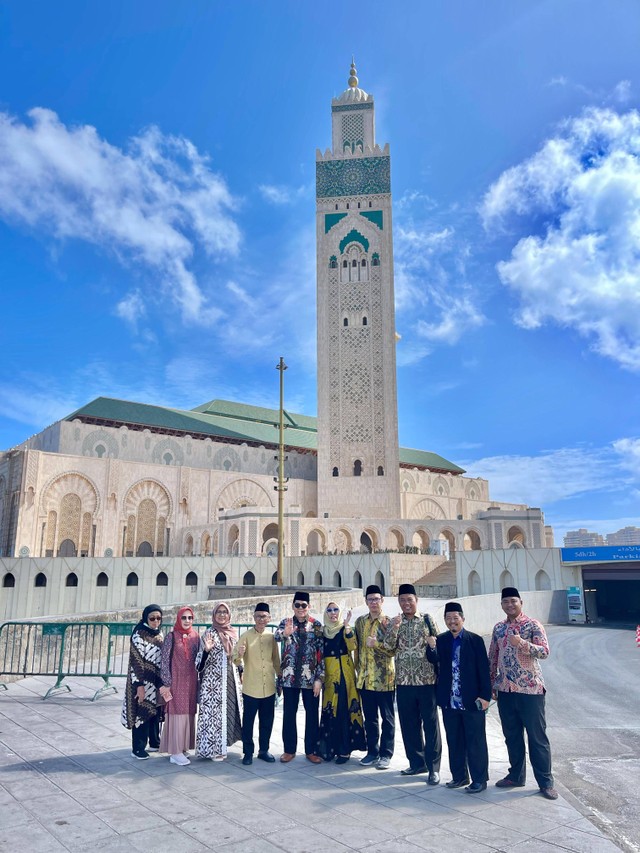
[{"x": 524, "y": 568}]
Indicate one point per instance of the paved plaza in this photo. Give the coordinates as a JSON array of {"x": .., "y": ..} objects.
[{"x": 68, "y": 782}]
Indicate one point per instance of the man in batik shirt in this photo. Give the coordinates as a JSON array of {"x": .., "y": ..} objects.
[
  {"x": 302, "y": 674},
  {"x": 517, "y": 646},
  {"x": 375, "y": 681},
  {"x": 415, "y": 686}
]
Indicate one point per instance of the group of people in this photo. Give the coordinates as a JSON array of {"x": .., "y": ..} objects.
[{"x": 347, "y": 677}]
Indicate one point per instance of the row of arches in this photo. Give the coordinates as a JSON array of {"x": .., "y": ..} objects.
[
  {"x": 542, "y": 581},
  {"x": 102, "y": 579}
]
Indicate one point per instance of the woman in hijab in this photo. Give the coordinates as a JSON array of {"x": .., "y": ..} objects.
[
  {"x": 341, "y": 728},
  {"x": 141, "y": 711},
  {"x": 180, "y": 687},
  {"x": 219, "y": 718}
]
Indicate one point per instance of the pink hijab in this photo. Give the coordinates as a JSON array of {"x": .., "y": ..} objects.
[{"x": 227, "y": 633}]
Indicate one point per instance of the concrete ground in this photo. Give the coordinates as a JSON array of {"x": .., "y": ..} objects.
[{"x": 68, "y": 782}]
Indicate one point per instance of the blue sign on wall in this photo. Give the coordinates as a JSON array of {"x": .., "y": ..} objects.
[{"x": 602, "y": 554}]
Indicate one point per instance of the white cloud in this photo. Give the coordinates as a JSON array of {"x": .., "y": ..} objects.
[
  {"x": 551, "y": 476},
  {"x": 579, "y": 265},
  {"x": 628, "y": 450},
  {"x": 131, "y": 308},
  {"x": 153, "y": 205},
  {"x": 281, "y": 195}
]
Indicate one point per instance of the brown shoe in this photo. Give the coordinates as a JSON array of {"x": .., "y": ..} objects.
[
  {"x": 286, "y": 757},
  {"x": 549, "y": 793},
  {"x": 314, "y": 759}
]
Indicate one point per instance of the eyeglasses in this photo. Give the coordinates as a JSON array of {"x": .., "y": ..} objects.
[
  {"x": 301, "y": 605},
  {"x": 333, "y": 610},
  {"x": 155, "y": 618},
  {"x": 261, "y": 615},
  {"x": 374, "y": 600}
]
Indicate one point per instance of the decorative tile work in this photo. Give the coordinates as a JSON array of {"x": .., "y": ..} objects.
[
  {"x": 354, "y": 236},
  {"x": 374, "y": 216},
  {"x": 331, "y": 219},
  {"x": 357, "y": 176},
  {"x": 347, "y": 108},
  {"x": 352, "y": 131}
]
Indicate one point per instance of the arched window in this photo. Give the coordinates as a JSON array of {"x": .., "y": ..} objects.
[
  {"x": 375, "y": 262},
  {"x": 337, "y": 579},
  {"x": 191, "y": 579},
  {"x": 333, "y": 263},
  {"x": 100, "y": 450},
  {"x": 144, "y": 550},
  {"x": 41, "y": 580},
  {"x": 357, "y": 468},
  {"x": 380, "y": 471},
  {"x": 354, "y": 263},
  {"x": 102, "y": 579},
  {"x": 364, "y": 321},
  {"x": 274, "y": 579},
  {"x": 345, "y": 322},
  {"x": 167, "y": 458},
  {"x": 363, "y": 262},
  {"x": 71, "y": 579},
  {"x": 345, "y": 264},
  {"x": 8, "y": 581},
  {"x": 132, "y": 579},
  {"x": 220, "y": 579},
  {"x": 162, "y": 579},
  {"x": 249, "y": 579},
  {"x": 300, "y": 581},
  {"x": 317, "y": 581},
  {"x": 357, "y": 580},
  {"x": 335, "y": 473}
]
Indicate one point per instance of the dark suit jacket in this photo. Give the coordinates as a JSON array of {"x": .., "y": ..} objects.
[{"x": 474, "y": 669}]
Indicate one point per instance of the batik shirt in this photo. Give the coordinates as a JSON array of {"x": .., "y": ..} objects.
[
  {"x": 302, "y": 653},
  {"x": 518, "y": 670},
  {"x": 375, "y": 666},
  {"x": 409, "y": 641}
]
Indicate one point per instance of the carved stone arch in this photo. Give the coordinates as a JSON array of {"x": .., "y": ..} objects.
[
  {"x": 72, "y": 482},
  {"x": 408, "y": 483},
  {"x": 227, "y": 459},
  {"x": 243, "y": 492},
  {"x": 343, "y": 540},
  {"x": 472, "y": 540},
  {"x": 167, "y": 445},
  {"x": 100, "y": 436},
  {"x": 151, "y": 490},
  {"x": 428, "y": 508},
  {"x": 472, "y": 490},
  {"x": 440, "y": 487}
]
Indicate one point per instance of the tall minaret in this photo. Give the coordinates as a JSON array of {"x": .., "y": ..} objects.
[{"x": 358, "y": 474}]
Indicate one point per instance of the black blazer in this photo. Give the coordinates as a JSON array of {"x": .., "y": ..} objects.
[{"x": 475, "y": 680}]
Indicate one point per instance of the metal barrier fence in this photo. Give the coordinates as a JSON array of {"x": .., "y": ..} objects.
[{"x": 65, "y": 649}]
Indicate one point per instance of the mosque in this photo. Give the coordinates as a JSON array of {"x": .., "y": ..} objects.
[{"x": 126, "y": 479}]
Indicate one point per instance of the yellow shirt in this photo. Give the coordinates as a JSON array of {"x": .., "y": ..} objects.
[
  {"x": 261, "y": 662},
  {"x": 375, "y": 666}
]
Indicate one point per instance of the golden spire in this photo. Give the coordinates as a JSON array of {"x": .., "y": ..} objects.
[{"x": 353, "y": 80}]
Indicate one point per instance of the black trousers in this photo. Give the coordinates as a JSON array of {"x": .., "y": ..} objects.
[
  {"x": 420, "y": 726},
  {"x": 378, "y": 704},
  {"x": 264, "y": 708},
  {"x": 520, "y": 712},
  {"x": 311, "y": 704},
  {"x": 149, "y": 731},
  {"x": 467, "y": 742}
]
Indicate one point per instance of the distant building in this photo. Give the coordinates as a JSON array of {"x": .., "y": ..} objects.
[
  {"x": 583, "y": 538},
  {"x": 624, "y": 536}
]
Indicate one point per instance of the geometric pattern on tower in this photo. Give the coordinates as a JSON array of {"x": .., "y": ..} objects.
[{"x": 351, "y": 177}]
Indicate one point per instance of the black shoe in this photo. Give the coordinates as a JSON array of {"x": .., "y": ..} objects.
[
  {"x": 434, "y": 778},
  {"x": 413, "y": 771},
  {"x": 369, "y": 760},
  {"x": 142, "y": 755},
  {"x": 457, "y": 783},
  {"x": 247, "y": 759},
  {"x": 266, "y": 756},
  {"x": 549, "y": 793},
  {"x": 476, "y": 787},
  {"x": 342, "y": 759}
]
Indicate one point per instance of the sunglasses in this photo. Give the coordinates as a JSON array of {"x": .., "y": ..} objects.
[
  {"x": 155, "y": 618},
  {"x": 301, "y": 605},
  {"x": 333, "y": 610},
  {"x": 187, "y": 618}
]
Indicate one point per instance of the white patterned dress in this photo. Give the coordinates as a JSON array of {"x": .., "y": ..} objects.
[{"x": 220, "y": 700}]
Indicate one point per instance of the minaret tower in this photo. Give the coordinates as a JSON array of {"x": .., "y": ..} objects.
[{"x": 358, "y": 473}]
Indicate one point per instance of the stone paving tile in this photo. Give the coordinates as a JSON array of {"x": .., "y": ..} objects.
[
  {"x": 435, "y": 813},
  {"x": 130, "y": 818},
  {"x": 176, "y": 807},
  {"x": 76, "y": 830},
  {"x": 14, "y": 814},
  {"x": 250, "y": 845},
  {"x": 440, "y": 839},
  {"x": 355, "y": 834},
  {"x": 34, "y": 785},
  {"x": 172, "y": 838},
  {"x": 530, "y": 824},
  {"x": 582, "y": 842},
  {"x": 39, "y": 840},
  {"x": 56, "y": 806},
  {"x": 256, "y": 818},
  {"x": 305, "y": 840},
  {"x": 487, "y": 833},
  {"x": 214, "y": 831}
]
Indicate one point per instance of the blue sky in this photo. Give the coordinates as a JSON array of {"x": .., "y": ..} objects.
[{"x": 157, "y": 168}]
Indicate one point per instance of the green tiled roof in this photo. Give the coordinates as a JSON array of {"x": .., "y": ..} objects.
[{"x": 232, "y": 421}]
